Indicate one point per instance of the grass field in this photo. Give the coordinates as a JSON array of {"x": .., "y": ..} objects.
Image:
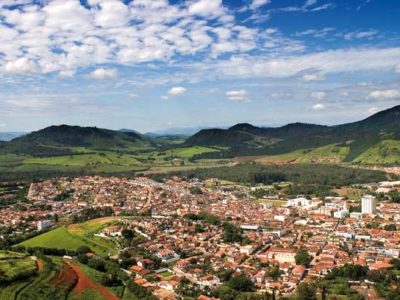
[
  {"x": 89, "y": 294},
  {"x": 74, "y": 236},
  {"x": 385, "y": 153},
  {"x": 328, "y": 154}
]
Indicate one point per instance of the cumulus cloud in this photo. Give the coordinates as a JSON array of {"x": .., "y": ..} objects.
[
  {"x": 239, "y": 95},
  {"x": 318, "y": 95},
  {"x": 173, "y": 92},
  {"x": 58, "y": 35},
  {"x": 102, "y": 73},
  {"x": 206, "y": 8},
  {"x": 21, "y": 65},
  {"x": 177, "y": 90},
  {"x": 384, "y": 94},
  {"x": 318, "y": 106}
]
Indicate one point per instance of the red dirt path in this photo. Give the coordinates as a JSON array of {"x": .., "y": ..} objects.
[
  {"x": 39, "y": 265},
  {"x": 85, "y": 282}
]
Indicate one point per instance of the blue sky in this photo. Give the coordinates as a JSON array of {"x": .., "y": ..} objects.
[{"x": 156, "y": 64}]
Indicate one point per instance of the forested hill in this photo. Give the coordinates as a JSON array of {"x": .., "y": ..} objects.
[
  {"x": 378, "y": 135},
  {"x": 59, "y": 139}
]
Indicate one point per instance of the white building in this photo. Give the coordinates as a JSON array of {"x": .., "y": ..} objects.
[
  {"x": 41, "y": 225},
  {"x": 341, "y": 214},
  {"x": 368, "y": 204}
]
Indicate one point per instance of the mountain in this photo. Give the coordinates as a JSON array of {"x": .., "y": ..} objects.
[
  {"x": 8, "y": 136},
  {"x": 56, "y": 140},
  {"x": 176, "y": 131},
  {"x": 357, "y": 137}
]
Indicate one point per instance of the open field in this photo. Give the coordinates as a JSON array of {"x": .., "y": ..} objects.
[
  {"x": 272, "y": 201},
  {"x": 327, "y": 154},
  {"x": 90, "y": 161},
  {"x": 74, "y": 236}
]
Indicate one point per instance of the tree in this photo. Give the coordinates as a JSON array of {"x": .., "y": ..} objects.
[
  {"x": 275, "y": 272},
  {"x": 241, "y": 283},
  {"x": 232, "y": 233},
  {"x": 127, "y": 234},
  {"x": 302, "y": 257},
  {"x": 83, "y": 250},
  {"x": 306, "y": 291}
]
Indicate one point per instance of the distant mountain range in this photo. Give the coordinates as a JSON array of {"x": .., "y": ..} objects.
[
  {"x": 372, "y": 140},
  {"x": 8, "y": 136}
]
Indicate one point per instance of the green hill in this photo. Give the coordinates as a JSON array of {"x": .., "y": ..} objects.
[
  {"x": 352, "y": 141},
  {"x": 59, "y": 140}
]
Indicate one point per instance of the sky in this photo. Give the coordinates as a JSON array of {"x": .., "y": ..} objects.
[{"x": 150, "y": 65}]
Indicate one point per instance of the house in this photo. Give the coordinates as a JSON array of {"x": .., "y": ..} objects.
[
  {"x": 282, "y": 255},
  {"x": 167, "y": 256},
  {"x": 209, "y": 280}
]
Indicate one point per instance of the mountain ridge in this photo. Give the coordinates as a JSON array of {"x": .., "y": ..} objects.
[{"x": 246, "y": 139}]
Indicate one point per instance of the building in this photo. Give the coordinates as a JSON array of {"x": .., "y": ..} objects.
[
  {"x": 282, "y": 255},
  {"x": 41, "y": 225},
  {"x": 167, "y": 256},
  {"x": 341, "y": 214},
  {"x": 368, "y": 204}
]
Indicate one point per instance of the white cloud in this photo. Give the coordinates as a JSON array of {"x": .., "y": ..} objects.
[
  {"x": 318, "y": 106},
  {"x": 21, "y": 65},
  {"x": 318, "y": 95},
  {"x": 239, "y": 95},
  {"x": 102, "y": 73},
  {"x": 2, "y": 125},
  {"x": 255, "y": 4},
  {"x": 360, "y": 34},
  {"x": 384, "y": 94},
  {"x": 397, "y": 68},
  {"x": 373, "y": 110},
  {"x": 177, "y": 90},
  {"x": 310, "y": 3},
  {"x": 313, "y": 77},
  {"x": 317, "y": 33},
  {"x": 331, "y": 61},
  {"x": 206, "y": 8}
]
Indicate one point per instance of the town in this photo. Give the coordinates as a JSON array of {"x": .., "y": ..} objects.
[{"x": 197, "y": 230}]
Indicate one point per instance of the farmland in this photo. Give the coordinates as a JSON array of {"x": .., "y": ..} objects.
[
  {"x": 73, "y": 236},
  {"x": 88, "y": 161}
]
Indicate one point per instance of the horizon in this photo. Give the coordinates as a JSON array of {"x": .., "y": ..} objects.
[
  {"x": 160, "y": 65},
  {"x": 193, "y": 130}
]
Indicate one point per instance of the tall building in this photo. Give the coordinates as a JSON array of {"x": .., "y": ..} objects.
[{"x": 368, "y": 204}]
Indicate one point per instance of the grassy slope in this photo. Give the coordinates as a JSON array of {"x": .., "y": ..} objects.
[
  {"x": 386, "y": 152},
  {"x": 74, "y": 236}
]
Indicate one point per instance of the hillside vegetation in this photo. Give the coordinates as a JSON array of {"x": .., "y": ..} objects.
[
  {"x": 74, "y": 151},
  {"x": 355, "y": 142}
]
